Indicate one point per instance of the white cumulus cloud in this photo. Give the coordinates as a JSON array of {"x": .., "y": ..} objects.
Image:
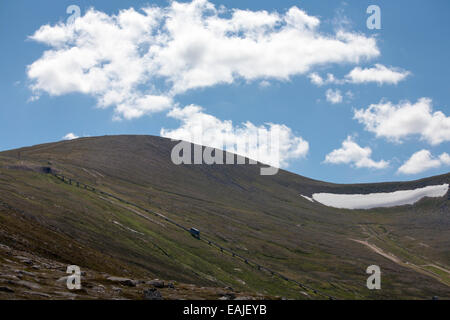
[
  {"x": 138, "y": 60},
  {"x": 271, "y": 144},
  {"x": 352, "y": 153},
  {"x": 70, "y": 136},
  {"x": 379, "y": 74},
  {"x": 333, "y": 96},
  {"x": 396, "y": 122},
  {"x": 319, "y": 81},
  {"x": 423, "y": 160}
]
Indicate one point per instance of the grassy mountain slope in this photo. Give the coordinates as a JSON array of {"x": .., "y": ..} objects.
[{"x": 260, "y": 217}]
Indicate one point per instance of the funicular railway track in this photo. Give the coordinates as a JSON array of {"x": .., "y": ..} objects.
[{"x": 203, "y": 238}]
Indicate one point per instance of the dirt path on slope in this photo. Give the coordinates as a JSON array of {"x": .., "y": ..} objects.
[
  {"x": 375, "y": 249},
  {"x": 407, "y": 264},
  {"x": 437, "y": 267}
]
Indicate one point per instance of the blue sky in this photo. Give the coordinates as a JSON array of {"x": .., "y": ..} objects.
[{"x": 414, "y": 90}]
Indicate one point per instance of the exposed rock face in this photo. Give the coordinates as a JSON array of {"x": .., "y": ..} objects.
[
  {"x": 228, "y": 296},
  {"x": 28, "y": 284},
  {"x": 37, "y": 294},
  {"x": 152, "y": 294},
  {"x": 156, "y": 283},
  {"x": 6, "y": 289},
  {"x": 123, "y": 281}
]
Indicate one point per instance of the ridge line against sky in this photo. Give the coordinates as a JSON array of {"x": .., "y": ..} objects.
[{"x": 164, "y": 62}]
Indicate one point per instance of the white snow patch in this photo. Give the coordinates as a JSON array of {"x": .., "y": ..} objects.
[
  {"x": 307, "y": 198},
  {"x": 374, "y": 200}
]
